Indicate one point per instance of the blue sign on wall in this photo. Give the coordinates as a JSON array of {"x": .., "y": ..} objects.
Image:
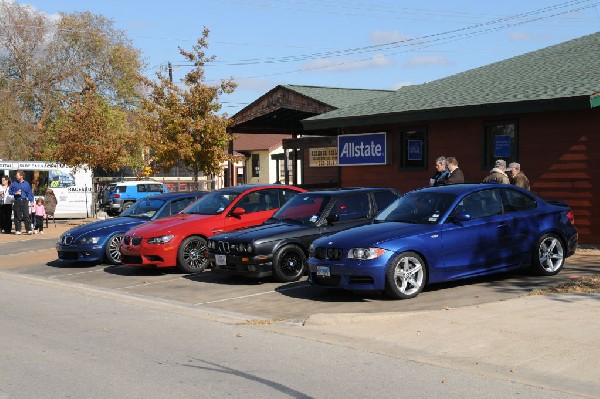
[
  {"x": 362, "y": 149},
  {"x": 502, "y": 146}
]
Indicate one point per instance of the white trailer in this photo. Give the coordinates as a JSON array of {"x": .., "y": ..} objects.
[{"x": 73, "y": 189}]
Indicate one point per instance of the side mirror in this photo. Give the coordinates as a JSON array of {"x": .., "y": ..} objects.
[
  {"x": 238, "y": 212},
  {"x": 461, "y": 217},
  {"x": 332, "y": 219}
]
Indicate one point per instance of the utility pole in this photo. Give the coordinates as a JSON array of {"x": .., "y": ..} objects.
[{"x": 170, "y": 72}]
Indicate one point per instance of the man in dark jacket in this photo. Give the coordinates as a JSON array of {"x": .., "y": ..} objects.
[
  {"x": 455, "y": 175},
  {"x": 23, "y": 194}
]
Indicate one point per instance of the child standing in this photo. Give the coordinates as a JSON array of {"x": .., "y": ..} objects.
[{"x": 40, "y": 214}]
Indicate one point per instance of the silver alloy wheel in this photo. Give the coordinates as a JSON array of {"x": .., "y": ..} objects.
[
  {"x": 193, "y": 255},
  {"x": 551, "y": 254},
  {"x": 408, "y": 275},
  {"x": 113, "y": 249}
]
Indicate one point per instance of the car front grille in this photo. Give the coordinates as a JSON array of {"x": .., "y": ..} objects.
[
  {"x": 66, "y": 240},
  {"x": 329, "y": 253},
  {"x": 128, "y": 240}
]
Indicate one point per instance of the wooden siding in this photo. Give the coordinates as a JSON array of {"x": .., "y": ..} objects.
[{"x": 559, "y": 152}]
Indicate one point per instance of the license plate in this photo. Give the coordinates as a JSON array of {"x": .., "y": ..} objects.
[
  {"x": 323, "y": 271},
  {"x": 221, "y": 260}
]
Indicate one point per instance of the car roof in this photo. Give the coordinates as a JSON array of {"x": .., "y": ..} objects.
[
  {"x": 179, "y": 194},
  {"x": 245, "y": 187},
  {"x": 463, "y": 188}
]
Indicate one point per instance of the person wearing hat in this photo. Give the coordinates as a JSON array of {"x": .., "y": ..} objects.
[
  {"x": 498, "y": 173},
  {"x": 518, "y": 178}
]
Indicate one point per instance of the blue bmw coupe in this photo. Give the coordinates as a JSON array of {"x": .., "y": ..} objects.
[
  {"x": 446, "y": 233},
  {"x": 101, "y": 241}
]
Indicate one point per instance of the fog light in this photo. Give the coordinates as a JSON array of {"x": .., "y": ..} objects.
[{"x": 251, "y": 268}]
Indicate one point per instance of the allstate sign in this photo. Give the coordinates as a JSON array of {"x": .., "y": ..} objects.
[{"x": 362, "y": 149}]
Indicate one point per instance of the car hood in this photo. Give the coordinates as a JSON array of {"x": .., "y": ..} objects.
[
  {"x": 375, "y": 234},
  {"x": 170, "y": 224},
  {"x": 107, "y": 226},
  {"x": 262, "y": 232}
]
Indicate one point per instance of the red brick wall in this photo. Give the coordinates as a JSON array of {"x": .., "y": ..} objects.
[{"x": 559, "y": 152}]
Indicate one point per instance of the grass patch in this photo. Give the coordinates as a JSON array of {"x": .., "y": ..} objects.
[{"x": 578, "y": 285}]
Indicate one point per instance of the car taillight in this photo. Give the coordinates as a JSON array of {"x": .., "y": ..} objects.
[
  {"x": 571, "y": 217},
  {"x": 116, "y": 195}
]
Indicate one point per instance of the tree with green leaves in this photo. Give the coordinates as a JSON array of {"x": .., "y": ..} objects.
[{"x": 186, "y": 127}]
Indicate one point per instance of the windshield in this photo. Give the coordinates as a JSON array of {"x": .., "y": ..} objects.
[
  {"x": 212, "y": 204},
  {"x": 417, "y": 207},
  {"x": 303, "y": 208},
  {"x": 144, "y": 208}
]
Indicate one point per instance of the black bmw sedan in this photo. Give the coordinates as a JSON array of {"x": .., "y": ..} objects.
[{"x": 279, "y": 246}]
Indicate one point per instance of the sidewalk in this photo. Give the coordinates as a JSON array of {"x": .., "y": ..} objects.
[{"x": 49, "y": 232}]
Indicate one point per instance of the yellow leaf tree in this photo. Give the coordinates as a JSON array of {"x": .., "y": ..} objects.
[{"x": 183, "y": 121}]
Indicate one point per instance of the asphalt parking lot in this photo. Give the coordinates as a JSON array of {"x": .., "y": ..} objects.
[{"x": 35, "y": 256}]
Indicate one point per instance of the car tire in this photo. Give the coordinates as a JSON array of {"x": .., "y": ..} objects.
[
  {"x": 190, "y": 255},
  {"x": 548, "y": 255},
  {"x": 112, "y": 250},
  {"x": 289, "y": 264},
  {"x": 405, "y": 276}
]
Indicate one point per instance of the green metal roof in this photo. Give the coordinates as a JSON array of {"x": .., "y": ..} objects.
[
  {"x": 563, "y": 71},
  {"x": 338, "y": 97}
]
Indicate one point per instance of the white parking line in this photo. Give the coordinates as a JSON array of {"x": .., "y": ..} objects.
[
  {"x": 145, "y": 284},
  {"x": 251, "y": 295},
  {"x": 75, "y": 274}
]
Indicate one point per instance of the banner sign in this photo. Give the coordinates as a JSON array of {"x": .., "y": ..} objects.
[
  {"x": 325, "y": 156},
  {"x": 362, "y": 149}
]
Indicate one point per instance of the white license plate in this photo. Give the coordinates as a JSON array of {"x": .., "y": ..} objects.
[
  {"x": 221, "y": 260},
  {"x": 323, "y": 271}
]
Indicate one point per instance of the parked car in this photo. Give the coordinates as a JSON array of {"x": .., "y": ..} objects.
[
  {"x": 101, "y": 240},
  {"x": 446, "y": 233},
  {"x": 181, "y": 240},
  {"x": 126, "y": 193},
  {"x": 279, "y": 246}
]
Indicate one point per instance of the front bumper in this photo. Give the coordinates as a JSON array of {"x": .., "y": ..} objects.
[
  {"x": 257, "y": 266},
  {"x": 144, "y": 254},
  {"x": 354, "y": 276},
  {"x": 80, "y": 253}
]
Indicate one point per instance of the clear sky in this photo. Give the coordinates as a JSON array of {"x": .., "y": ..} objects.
[{"x": 372, "y": 44}]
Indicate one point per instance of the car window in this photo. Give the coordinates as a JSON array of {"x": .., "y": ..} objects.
[
  {"x": 481, "y": 204},
  {"x": 304, "y": 208},
  {"x": 515, "y": 201},
  {"x": 383, "y": 199},
  {"x": 352, "y": 207},
  {"x": 141, "y": 188},
  {"x": 145, "y": 208},
  {"x": 213, "y": 203},
  {"x": 174, "y": 207},
  {"x": 121, "y": 189},
  {"x": 285, "y": 194},
  {"x": 155, "y": 188},
  {"x": 259, "y": 201},
  {"x": 418, "y": 207}
]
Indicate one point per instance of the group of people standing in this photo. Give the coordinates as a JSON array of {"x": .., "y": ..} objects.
[
  {"x": 16, "y": 198},
  {"x": 447, "y": 172}
]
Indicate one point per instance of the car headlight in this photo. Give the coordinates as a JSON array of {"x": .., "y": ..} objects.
[
  {"x": 161, "y": 239},
  {"x": 311, "y": 251},
  {"x": 89, "y": 240},
  {"x": 210, "y": 244},
  {"x": 365, "y": 253}
]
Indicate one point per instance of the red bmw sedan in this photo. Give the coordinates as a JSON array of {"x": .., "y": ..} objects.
[{"x": 180, "y": 240}]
